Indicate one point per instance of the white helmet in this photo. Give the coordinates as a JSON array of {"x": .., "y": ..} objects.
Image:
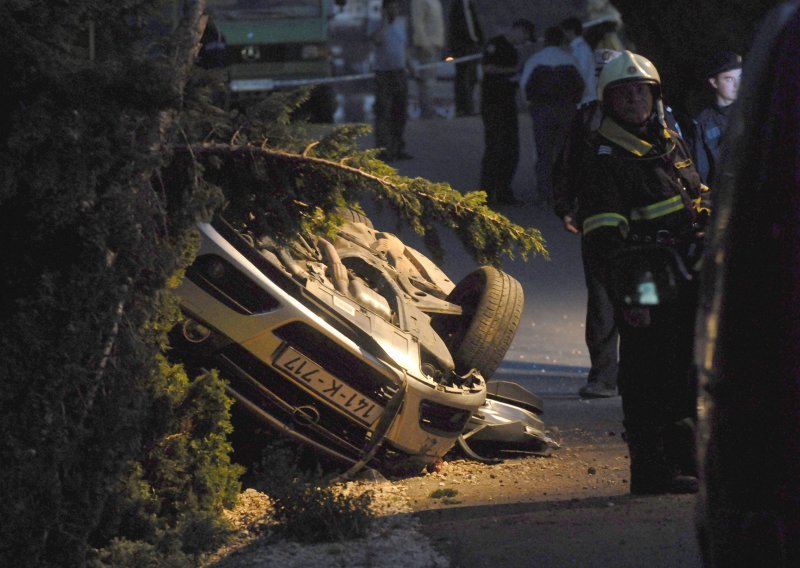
[{"x": 628, "y": 67}]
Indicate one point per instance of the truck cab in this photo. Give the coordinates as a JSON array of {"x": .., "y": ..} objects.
[{"x": 272, "y": 44}]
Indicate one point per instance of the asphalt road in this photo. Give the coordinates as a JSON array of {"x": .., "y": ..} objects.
[{"x": 580, "y": 523}]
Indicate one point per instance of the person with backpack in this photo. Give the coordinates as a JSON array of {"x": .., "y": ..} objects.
[{"x": 553, "y": 88}]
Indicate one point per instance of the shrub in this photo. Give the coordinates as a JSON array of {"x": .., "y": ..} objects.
[
  {"x": 308, "y": 507},
  {"x": 182, "y": 480}
]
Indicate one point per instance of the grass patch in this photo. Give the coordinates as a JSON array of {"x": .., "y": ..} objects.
[{"x": 446, "y": 495}]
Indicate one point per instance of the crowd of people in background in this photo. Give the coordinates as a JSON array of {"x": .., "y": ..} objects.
[
  {"x": 544, "y": 83},
  {"x": 617, "y": 168}
]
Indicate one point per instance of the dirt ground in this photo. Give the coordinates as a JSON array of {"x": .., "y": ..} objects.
[{"x": 569, "y": 509}]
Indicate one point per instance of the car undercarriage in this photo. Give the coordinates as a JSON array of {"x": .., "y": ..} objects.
[{"x": 357, "y": 345}]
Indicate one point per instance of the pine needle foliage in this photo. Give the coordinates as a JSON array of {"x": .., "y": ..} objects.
[
  {"x": 91, "y": 418},
  {"x": 282, "y": 180}
]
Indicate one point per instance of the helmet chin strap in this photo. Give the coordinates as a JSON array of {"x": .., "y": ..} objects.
[{"x": 660, "y": 113}]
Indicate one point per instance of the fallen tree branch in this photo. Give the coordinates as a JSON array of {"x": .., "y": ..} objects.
[{"x": 460, "y": 212}]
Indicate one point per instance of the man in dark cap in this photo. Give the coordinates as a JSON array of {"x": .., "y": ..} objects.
[{"x": 723, "y": 74}]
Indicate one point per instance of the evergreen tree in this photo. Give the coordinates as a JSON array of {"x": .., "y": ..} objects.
[
  {"x": 91, "y": 95},
  {"x": 110, "y": 154}
]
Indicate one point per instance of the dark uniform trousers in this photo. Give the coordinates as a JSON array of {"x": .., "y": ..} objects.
[
  {"x": 602, "y": 337},
  {"x": 391, "y": 110},
  {"x": 658, "y": 387},
  {"x": 465, "y": 80},
  {"x": 501, "y": 154}
]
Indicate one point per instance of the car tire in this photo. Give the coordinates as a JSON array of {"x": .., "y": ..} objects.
[{"x": 492, "y": 303}]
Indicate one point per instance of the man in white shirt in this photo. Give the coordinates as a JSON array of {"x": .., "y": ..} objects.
[
  {"x": 584, "y": 55},
  {"x": 427, "y": 38},
  {"x": 391, "y": 82},
  {"x": 553, "y": 87}
]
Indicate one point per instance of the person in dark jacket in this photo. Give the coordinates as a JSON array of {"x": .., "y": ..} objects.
[
  {"x": 641, "y": 208},
  {"x": 499, "y": 111},
  {"x": 465, "y": 37},
  {"x": 602, "y": 338},
  {"x": 724, "y": 75}
]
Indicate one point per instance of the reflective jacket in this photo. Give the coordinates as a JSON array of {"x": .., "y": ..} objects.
[
  {"x": 635, "y": 190},
  {"x": 567, "y": 177}
]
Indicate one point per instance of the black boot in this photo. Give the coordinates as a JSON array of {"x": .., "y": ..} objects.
[
  {"x": 680, "y": 446},
  {"x": 651, "y": 471}
]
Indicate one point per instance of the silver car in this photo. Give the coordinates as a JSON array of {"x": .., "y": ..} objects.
[{"x": 357, "y": 345}]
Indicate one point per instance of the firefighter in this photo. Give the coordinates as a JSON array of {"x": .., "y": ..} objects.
[{"x": 641, "y": 210}]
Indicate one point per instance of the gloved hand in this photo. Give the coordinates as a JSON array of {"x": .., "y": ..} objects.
[{"x": 702, "y": 218}]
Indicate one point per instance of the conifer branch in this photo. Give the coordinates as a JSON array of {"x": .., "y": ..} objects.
[{"x": 445, "y": 204}]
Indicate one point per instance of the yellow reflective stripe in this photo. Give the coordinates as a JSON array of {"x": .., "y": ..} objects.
[
  {"x": 604, "y": 220},
  {"x": 683, "y": 164},
  {"x": 699, "y": 206},
  {"x": 657, "y": 210},
  {"x": 704, "y": 188},
  {"x": 612, "y": 131}
]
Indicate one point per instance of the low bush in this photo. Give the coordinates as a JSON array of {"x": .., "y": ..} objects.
[{"x": 307, "y": 506}]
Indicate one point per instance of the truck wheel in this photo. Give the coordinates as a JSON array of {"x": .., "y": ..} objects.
[
  {"x": 322, "y": 104},
  {"x": 479, "y": 338}
]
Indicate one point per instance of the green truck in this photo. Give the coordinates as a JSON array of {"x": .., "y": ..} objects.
[{"x": 273, "y": 44}]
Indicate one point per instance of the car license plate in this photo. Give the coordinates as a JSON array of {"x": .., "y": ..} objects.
[{"x": 331, "y": 389}]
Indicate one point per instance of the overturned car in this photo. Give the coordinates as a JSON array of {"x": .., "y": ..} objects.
[{"x": 358, "y": 346}]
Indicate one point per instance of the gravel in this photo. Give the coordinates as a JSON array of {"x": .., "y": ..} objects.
[{"x": 395, "y": 538}]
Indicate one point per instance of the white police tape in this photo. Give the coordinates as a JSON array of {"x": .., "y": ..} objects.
[{"x": 244, "y": 85}]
